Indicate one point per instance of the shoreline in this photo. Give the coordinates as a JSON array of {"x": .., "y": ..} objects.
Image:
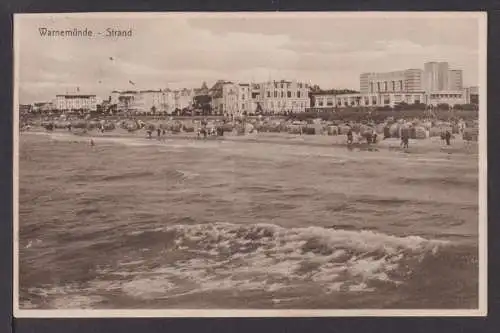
[{"x": 417, "y": 146}]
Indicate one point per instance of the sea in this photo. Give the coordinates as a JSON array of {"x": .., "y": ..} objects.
[{"x": 132, "y": 223}]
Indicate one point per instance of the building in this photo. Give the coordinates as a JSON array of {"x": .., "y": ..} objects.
[
  {"x": 282, "y": 96},
  {"x": 25, "y": 108},
  {"x": 249, "y": 98},
  {"x": 331, "y": 101},
  {"x": 447, "y": 97},
  {"x": 436, "y": 76},
  {"x": 472, "y": 95},
  {"x": 154, "y": 101},
  {"x": 409, "y": 80},
  {"x": 76, "y": 102},
  {"x": 43, "y": 107},
  {"x": 183, "y": 99},
  {"x": 455, "y": 81}
]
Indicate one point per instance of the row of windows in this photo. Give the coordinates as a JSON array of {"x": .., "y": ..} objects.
[
  {"x": 288, "y": 85},
  {"x": 385, "y": 85},
  {"x": 446, "y": 95},
  {"x": 289, "y": 94},
  {"x": 366, "y": 100},
  {"x": 284, "y": 104}
]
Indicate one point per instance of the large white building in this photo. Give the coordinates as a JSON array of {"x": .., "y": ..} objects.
[
  {"x": 161, "y": 100},
  {"x": 455, "y": 80},
  {"x": 409, "y": 80},
  {"x": 329, "y": 100},
  {"x": 283, "y": 96},
  {"x": 439, "y": 77},
  {"x": 69, "y": 102},
  {"x": 448, "y": 97},
  {"x": 271, "y": 96}
]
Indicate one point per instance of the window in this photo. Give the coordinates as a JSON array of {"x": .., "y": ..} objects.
[
  {"x": 275, "y": 94},
  {"x": 243, "y": 106},
  {"x": 329, "y": 101},
  {"x": 282, "y": 86},
  {"x": 289, "y": 94},
  {"x": 282, "y": 95},
  {"x": 268, "y": 94},
  {"x": 298, "y": 94},
  {"x": 320, "y": 102},
  {"x": 243, "y": 97}
]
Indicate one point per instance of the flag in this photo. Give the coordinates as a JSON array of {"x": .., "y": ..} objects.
[{"x": 132, "y": 83}]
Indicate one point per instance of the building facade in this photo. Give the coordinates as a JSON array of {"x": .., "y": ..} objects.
[
  {"x": 409, "y": 80},
  {"x": 282, "y": 96},
  {"x": 71, "y": 102},
  {"x": 271, "y": 97},
  {"x": 328, "y": 101},
  {"x": 472, "y": 95},
  {"x": 43, "y": 107},
  {"x": 157, "y": 101},
  {"x": 455, "y": 80},
  {"x": 436, "y": 76},
  {"x": 447, "y": 97}
]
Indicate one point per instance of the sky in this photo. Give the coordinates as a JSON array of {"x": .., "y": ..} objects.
[{"x": 183, "y": 50}]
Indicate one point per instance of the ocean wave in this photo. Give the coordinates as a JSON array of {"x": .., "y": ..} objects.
[
  {"x": 272, "y": 261},
  {"x": 268, "y": 257}
]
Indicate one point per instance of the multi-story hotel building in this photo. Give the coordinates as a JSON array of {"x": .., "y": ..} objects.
[
  {"x": 328, "y": 100},
  {"x": 409, "y": 80},
  {"x": 272, "y": 96},
  {"x": 70, "y": 102},
  {"x": 439, "y": 77},
  {"x": 283, "y": 96},
  {"x": 436, "y": 76},
  {"x": 164, "y": 101},
  {"x": 455, "y": 80}
]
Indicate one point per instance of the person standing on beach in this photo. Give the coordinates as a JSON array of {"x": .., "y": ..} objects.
[
  {"x": 405, "y": 140},
  {"x": 159, "y": 132},
  {"x": 447, "y": 137},
  {"x": 349, "y": 137}
]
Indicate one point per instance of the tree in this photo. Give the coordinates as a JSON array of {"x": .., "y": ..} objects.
[
  {"x": 153, "y": 110},
  {"x": 203, "y": 103},
  {"x": 443, "y": 106}
]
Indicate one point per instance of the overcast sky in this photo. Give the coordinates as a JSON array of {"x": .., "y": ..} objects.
[{"x": 183, "y": 51}]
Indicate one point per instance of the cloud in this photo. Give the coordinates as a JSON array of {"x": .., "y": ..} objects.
[{"x": 183, "y": 51}]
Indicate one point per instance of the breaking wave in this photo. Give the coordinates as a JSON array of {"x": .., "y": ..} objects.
[
  {"x": 286, "y": 263},
  {"x": 268, "y": 257}
]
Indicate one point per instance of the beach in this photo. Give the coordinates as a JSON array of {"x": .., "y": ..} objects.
[{"x": 264, "y": 221}]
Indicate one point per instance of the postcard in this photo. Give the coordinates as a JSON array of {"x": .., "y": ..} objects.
[{"x": 250, "y": 164}]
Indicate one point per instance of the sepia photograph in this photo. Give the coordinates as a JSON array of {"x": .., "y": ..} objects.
[{"x": 250, "y": 164}]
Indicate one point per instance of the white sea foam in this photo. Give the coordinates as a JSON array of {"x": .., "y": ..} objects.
[{"x": 269, "y": 257}]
